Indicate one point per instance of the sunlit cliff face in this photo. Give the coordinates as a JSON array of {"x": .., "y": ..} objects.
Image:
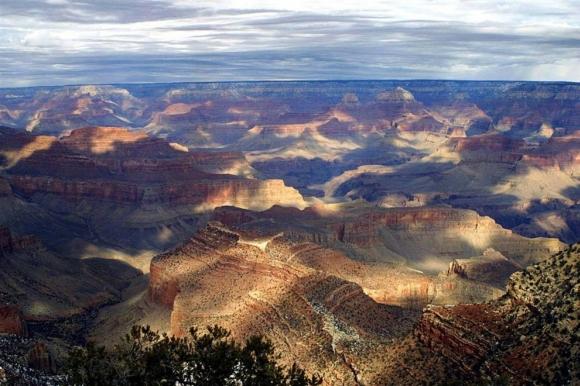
[
  {"x": 17, "y": 154},
  {"x": 325, "y": 216},
  {"x": 102, "y": 140}
]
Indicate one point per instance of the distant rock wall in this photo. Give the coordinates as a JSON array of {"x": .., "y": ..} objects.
[
  {"x": 122, "y": 166},
  {"x": 465, "y": 230},
  {"x": 204, "y": 193}
]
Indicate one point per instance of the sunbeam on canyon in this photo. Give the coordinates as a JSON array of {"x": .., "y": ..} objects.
[{"x": 289, "y": 193}]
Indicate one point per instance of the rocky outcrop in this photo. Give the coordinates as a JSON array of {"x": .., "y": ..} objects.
[
  {"x": 13, "y": 244},
  {"x": 490, "y": 148},
  {"x": 298, "y": 293},
  {"x": 465, "y": 342},
  {"x": 163, "y": 285},
  {"x": 425, "y": 238},
  {"x": 493, "y": 143},
  {"x": 12, "y": 321},
  {"x": 530, "y": 335},
  {"x": 492, "y": 267},
  {"x": 15, "y": 369},
  {"x": 327, "y": 244},
  {"x": 204, "y": 194},
  {"x": 463, "y": 232},
  {"x": 398, "y": 256},
  {"x": 41, "y": 359},
  {"x": 221, "y": 276},
  {"x": 168, "y": 269},
  {"x": 115, "y": 142}
]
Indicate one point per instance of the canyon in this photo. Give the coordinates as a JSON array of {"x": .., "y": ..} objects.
[
  {"x": 377, "y": 232},
  {"x": 527, "y": 334}
]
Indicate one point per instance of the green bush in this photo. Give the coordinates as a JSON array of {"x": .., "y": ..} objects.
[{"x": 147, "y": 358}]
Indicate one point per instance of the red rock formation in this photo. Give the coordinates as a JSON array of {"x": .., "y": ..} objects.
[
  {"x": 422, "y": 235},
  {"x": 488, "y": 148},
  {"x": 562, "y": 153},
  {"x": 528, "y": 336},
  {"x": 411, "y": 237},
  {"x": 12, "y": 321},
  {"x": 494, "y": 143},
  {"x": 492, "y": 267},
  {"x": 220, "y": 277},
  {"x": 365, "y": 230},
  {"x": 163, "y": 286},
  {"x": 424, "y": 123},
  {"x": 40, "y": 358},
  {"x": 167, "y": 269},
  {"x": 114, "y": 164},
  {"x": 465, "y": 342}
]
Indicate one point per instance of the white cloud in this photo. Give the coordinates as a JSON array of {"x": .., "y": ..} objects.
[{"x": 477, "y": 39}]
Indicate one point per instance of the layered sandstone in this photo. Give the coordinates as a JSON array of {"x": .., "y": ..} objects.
[
  {"x": 315, "y": 302},
  {"x": 491, "y": 148},
  {"x": 529, "y": 336},
  {"x": 203, "y": 194},
  {"x": 406, "y": 256},
  {"x": 467, "y": 342},
  {"x": 427, "y": 238},
  {"x": 493, "y": 143},
  {"x": 117, "y": 165},
  {"x": 313, "y": 317},
  {"x": 166, "y": 269},
  {"x": 559, "y": 153}
]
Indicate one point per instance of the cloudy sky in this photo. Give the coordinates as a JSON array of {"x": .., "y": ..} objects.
[{"x": 51, "y": 42}]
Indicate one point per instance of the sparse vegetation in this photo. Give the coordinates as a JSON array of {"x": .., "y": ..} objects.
[{"x": 146, "y": 358}]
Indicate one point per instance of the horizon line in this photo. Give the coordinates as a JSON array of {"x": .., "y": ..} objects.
[{"x": 297, "y": 81}]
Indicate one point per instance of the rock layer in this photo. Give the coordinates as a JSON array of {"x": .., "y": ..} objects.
[
  {"x": 222, "y": 277},
  {"x": 117, "y": 165},
  {"x": 426, "y": 238},
  {"x": 529, "y": 336},
  {"x": 258, "y": 275}
]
